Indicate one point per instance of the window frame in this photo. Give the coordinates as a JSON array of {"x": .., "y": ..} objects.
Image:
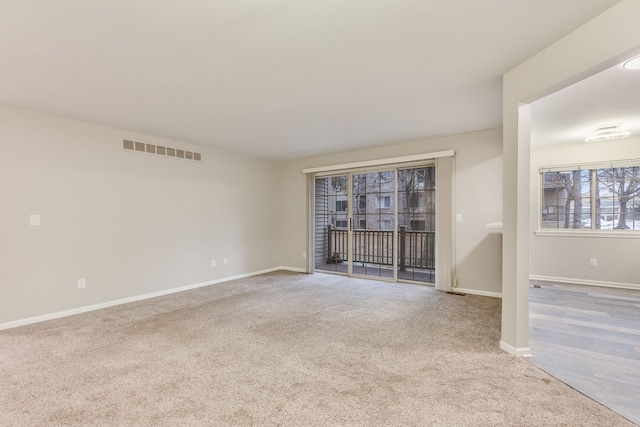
[
  {"x": 344, "y": 203},
  {"x": 593, "y": 194},
  {"x": 380, "y": 198}
]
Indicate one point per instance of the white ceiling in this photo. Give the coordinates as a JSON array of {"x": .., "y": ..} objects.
[
  {"x": 281, "y": 78},
  {"x": 611, "y": 97}
]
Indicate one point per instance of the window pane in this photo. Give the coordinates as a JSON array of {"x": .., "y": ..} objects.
[
  {"x": 618, "y": 198},
  {"x": 566, "y": 199},
  {"x": 567, "y": 202},
  {"x": 384, "y": 202}
]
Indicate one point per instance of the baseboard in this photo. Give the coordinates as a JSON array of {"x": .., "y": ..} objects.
[
  {"x": 521, "y": 352},
  {"x": 477, "y": 292},
  {"x": 80, "y": 310},
  {"x": 294, "y": 269},
  {"x": 584, "y": 282}
]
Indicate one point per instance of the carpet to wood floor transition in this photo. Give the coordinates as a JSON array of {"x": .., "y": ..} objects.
[{"x": 283, "y": 349}]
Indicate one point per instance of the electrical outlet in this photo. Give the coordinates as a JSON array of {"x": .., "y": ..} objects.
[
  {"x": 213, "y": 263},
  {"x": 304, "y": 254},
  {"x": 593, "y": 262},
  {"x": 226, "y": 261},
  {"x": 458, "y": 217},
  {"x": 82, "y": 283},
  {"x": 34, "y": 220},
  {"x": 455, "y": 283}
]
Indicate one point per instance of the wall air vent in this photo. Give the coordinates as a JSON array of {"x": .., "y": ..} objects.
[{"x": 160, "y": 150}]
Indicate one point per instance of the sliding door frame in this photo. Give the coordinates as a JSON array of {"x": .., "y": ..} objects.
[{"x": 350, "y": 172}]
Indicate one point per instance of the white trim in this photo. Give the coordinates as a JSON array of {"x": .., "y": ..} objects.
[
  {"x": 607, "y": 234},
  {"x": 494, "y": 227},
  {"x": 381, "y": 162},
  {"x": 520, "y": 352},
  {"x": 591, "y": 165},
  {"x": 294, "y": 269},
  {"x": 79, "y": 310},
  {"x": 477, "y": 292},
  {"x": 584, "y": 282}
]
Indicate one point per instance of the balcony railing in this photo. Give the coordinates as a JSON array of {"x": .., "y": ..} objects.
[{"x": 415, "y": 248}]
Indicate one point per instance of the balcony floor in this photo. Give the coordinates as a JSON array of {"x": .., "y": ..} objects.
[{"x": 381, "y": 271}]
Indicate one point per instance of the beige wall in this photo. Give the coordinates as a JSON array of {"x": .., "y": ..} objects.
[
  {"x": 567, "y": 258},
  {"x": 478, "y": 198},
  {"x": 600, "y": 43},
  {"x": 129, "y": 223}
]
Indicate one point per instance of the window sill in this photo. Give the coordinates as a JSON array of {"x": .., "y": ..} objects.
[{"x": 607, "y": 234}]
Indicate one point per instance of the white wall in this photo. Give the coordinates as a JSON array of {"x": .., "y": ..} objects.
[
  {"x": 567, "y": 258},
  {"x": 595, "y": 46},
  {"x": 478, "y": 199},
  {"x": 129, "y": 223}
]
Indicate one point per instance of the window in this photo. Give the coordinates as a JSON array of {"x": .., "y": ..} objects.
[
  {"x": 363, "y": 224},
  {"x": 594, "y": 197},
  {"x": 418, "y": 225},
  {"x": 384, "y": 202},
  {"x": 341, "y": 223},
  {"x": 341, "y": 205},
  {"x": 415, "y": 201},
  {"x": 362, "y": 202},
  {"x": 384, "y": 224}
]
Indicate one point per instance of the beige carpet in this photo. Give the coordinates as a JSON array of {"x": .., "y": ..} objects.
[{"x": 283, "y": 349}]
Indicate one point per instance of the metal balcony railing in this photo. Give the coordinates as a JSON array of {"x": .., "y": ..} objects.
[{"x": 415, "y": 248}]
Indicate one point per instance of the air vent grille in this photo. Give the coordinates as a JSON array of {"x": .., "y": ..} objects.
[{"x": 160, "y": 150}]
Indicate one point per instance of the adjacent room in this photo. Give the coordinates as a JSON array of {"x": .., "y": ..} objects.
[
  {"x": 585, "y": 215},
  {"x": 316, "y": 213}
]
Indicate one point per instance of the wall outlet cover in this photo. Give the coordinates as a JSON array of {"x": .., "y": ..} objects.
[{"x": 34, "y": 220}]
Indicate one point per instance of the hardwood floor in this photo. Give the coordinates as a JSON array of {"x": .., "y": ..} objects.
[{"x": 589, "y": 337}]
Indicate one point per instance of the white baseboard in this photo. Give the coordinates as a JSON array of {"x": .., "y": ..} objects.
[
  {"x": 79, "y": 310},
  {"x": 294, "y": 269},
  {"x": 584, "y": 282},
  {"x": 477, "y": 292},
  {"x": 521, "y": 352}
]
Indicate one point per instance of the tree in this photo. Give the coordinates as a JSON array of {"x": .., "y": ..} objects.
[
  {"x": 624, "y": 184},
  {"x": 339, "y": 184},
  {"x": 571, "y": 184},
  {"x": 576, "y": 195}
]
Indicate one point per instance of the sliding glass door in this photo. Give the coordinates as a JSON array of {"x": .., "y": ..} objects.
[
  {"x": 417, "y": 224},
  {"x": 331, "y": 219},
  {"x": 377, "y": 223},
  {"x": 373, "y": 214}
]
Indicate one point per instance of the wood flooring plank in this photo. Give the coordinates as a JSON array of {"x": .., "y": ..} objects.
[
  {"x": 589, "y": 338},
  {"x": 590, "y": 343},
  {"x": 594, "y": 325}
]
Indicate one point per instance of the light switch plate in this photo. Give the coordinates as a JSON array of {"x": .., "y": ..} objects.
[{"x": 34, "y": 220}]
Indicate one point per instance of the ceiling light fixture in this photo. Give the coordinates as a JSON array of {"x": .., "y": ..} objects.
[
  {"x": 608, "y": 132},
  {"x": 632, "y": 64}
]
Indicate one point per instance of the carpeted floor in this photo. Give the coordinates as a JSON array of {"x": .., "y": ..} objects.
[{"x": 283, "y": 349}]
